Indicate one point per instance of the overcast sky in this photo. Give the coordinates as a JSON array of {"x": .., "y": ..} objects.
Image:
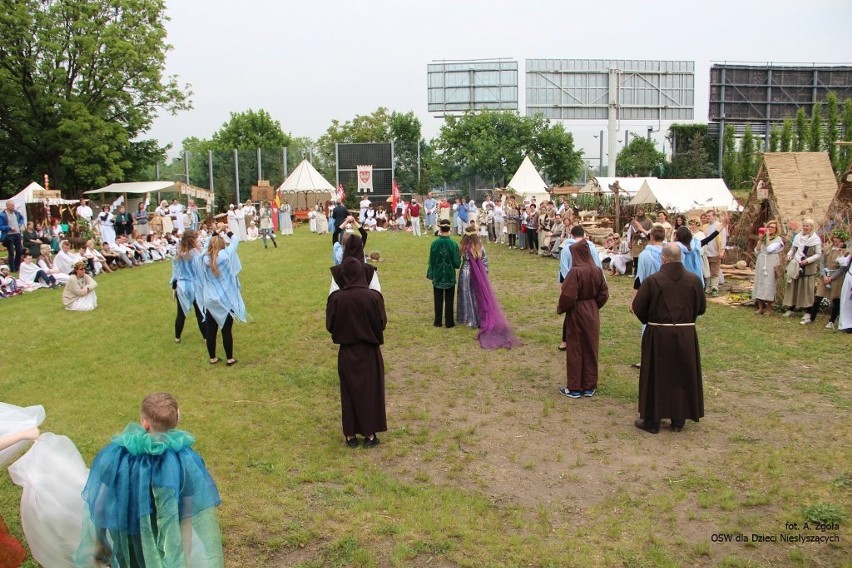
[{"x": 312, "y": 61}]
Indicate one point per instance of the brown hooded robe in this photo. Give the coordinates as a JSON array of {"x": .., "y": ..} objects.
[
  {"x": 584, "y": 292},
  {"x": 670, "y": 384},
  {"x": 355, "y": 317}
]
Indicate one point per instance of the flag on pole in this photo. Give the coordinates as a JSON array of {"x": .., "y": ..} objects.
[
  {"x": 341, "y": 195},
  {"x": 395, "y": 196}
]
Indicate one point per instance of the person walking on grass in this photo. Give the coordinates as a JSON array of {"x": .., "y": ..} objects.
[
  {"x": 444, "y": 260},
  {"x": 266, "y": 229}
]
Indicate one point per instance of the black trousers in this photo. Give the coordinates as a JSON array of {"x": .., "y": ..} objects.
[
  {"x": 42, "y": 276},
  {"x": 181, "y": 319},
  {"x": 444, "y": 298},
  {"x": 227, "y": 337},
  {"x": 835, "y": 309},
  {"x": 14, "y": 244},
  {"x": 532, "y": 239}
]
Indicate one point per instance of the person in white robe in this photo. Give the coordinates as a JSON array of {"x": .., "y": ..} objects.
[
  {"x": 233, "y": 225},
  {"x": 241, "y": 222},
  {"x": 176, "y": 214}
]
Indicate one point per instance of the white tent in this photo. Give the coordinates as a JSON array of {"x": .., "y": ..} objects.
[
  {"x": 528, "y": 183},
  {"x": 136, "y": 187},
  {"x": 630, "y": 186},
  {"x": 33, "y": 193},
  {"x": 306, "y": 187},
  {"x": 682, "y": 195}
]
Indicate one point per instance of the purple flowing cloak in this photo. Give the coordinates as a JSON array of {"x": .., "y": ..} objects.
[{"x": 494, "y": 331}]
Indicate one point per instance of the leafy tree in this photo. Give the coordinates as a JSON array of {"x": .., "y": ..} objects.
[
  {"x": 694, "y": 162},
  {"x": 80, "y": 83},
  {"x": 490, "y": 146},
  {"x": 640, "y": 158},
  {"x": 802, "y": 131},
  {"x": 787, "y": 135},
  {"x": 832, "y": 132},
  {"x": 729, "y": 158},
  {"x": 815, "y": 138}
]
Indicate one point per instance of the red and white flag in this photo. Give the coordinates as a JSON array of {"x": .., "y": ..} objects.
[
  {"x": 395, "y": 195},
  {"x": 341, "y": 195},
  {"x": 365, "y": 179}
]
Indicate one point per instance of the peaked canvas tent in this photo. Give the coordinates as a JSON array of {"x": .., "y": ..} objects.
[
  {"x": 682, "y": 195},
  {"x": 135, "y": 187},
  {"x": 528, "y": 183},
  {"x": 630, "y": 186},
  {"x": 305, "y": 187},
  {"x": 789, "y": 186},
  {"x": 34, "y": 193}
]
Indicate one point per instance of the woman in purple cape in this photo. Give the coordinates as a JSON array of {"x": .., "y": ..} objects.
[{"x": 494, "y": 331}]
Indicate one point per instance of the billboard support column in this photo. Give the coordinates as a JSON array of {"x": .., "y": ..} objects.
[
  {"x": 612, "y": 126},
  {"x": 237, "y": 175},
  {"x": 336, "y": 165},
  {"x": 211, "y": 205}
]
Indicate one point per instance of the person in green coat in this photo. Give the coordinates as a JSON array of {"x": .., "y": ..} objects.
[{"x": 444, "y": 260}]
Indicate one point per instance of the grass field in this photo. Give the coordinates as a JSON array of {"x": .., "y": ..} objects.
[{"x": 485, "y": 464}]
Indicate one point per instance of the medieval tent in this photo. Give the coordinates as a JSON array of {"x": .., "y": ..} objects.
[
  {"x": 683, "y": 195},
  {"x": 839, "y": 213},
  {"x": 790, "y": 186},
  {"x": 528, "y": 183},
  {"x": 305, "y": 187},
  {"x": 34, "y": 194}
]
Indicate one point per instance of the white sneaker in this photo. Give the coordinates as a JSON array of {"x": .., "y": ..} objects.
[
  {"x": 806, "y": 320},
  {"x": 829, "y": 325},
  {"x": 789, "y": 313}
]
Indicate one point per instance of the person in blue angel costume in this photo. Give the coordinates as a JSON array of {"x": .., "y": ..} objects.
[
  {"x": 151, "y": 501},
  {"x": 219, "y": 290},
  {"x": 185, "y": 280},
  {"x": 690, "y": 248}
]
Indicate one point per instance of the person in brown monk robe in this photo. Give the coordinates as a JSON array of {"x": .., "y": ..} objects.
[
  {"x": 670, "y": 385},
  {"x": 355, "y": 317},
  {"x": 584, "y": 292}
]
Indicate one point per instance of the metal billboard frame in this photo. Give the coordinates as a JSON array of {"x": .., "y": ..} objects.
[{"x": 454, "y": 86}]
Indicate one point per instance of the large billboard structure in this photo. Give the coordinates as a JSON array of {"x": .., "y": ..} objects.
[
  {"x": 763, "y": 95},
  {"x": 469, "y": 85},
  {"x": 354, "y": 157},
  {"x": 611, "y": 89}
]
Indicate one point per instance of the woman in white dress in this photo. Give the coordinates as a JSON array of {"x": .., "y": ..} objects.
[
  {"x": 768, "y": 252},
  {"x": 241, "y": 222},
  {"x": 312, "y": 220},
  {"x": 233, "y": 225},
  {"x": 286, "y": 220},
  {"x": 844, "y": 320},
  {"x": 105, "y": 222},
  {"x": 79, "y": 294},
  {"x": 322, "y": 220}
]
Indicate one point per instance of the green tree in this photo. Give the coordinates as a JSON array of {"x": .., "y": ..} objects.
[
  {"x": 846, "y": 126},
  {"x": 80, "y": 83},
  {"x": 729, "y": 156},
  {"x": 815, "y": 138},
  {"x": 640, "y": 158},
  {"x": 746, "y": 159},
  {"x": 832, "y": 132},
  {"x": 694, "y": 162},
  {"x": 787, "y": 135},
  {"x": 774, "y": 139},
  {"x": 490, "y": 146},
  {"x": 802, "y": 131}
]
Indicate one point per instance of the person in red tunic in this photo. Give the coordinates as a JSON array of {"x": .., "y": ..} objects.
[{"x": 584, "y": 292}]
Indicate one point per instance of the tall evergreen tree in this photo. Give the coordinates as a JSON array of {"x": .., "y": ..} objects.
[
  {"x": 774, "y": 139},
  {"x": 729, "y": 156},
  {"x": 802, "y": 131},
  {"x": 787, "y": 135},
  {"x": 746, "y": 159},
  {"x": 832, "y": 131},
  {"x": 815, "y": 137}
]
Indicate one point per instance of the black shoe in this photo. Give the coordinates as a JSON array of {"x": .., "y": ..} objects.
[
  {"x": 650, "y": 427},
  {"x": 449, "y": 325},
  {"x": 437, "y": 324},
  {"x": 677, "y": 425},
  {"x": 371, "y": 442},
  {"x": 352, "y": 442}
]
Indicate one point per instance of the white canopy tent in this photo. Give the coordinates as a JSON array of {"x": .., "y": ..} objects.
[
  {"x": 136, "y": 187},
  {"x": 630, "y": 186},
  {"x": 528, "y": 183},
  {"x": 305, "y": 187},
  {"x": 682, "y": 195}
]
